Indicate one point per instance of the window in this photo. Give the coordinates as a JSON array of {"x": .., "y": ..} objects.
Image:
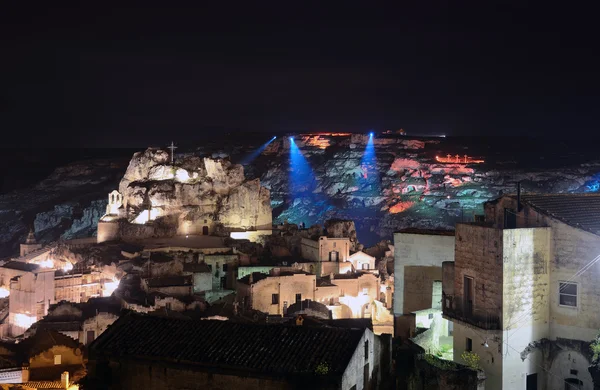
[
  {"x": 365, "y": 266},
  {"x": 567, "y": 292},
  {"x": 431, "y": 316},
  {"x": 298, "y": 298},
  {"x": 469, "y": 346},
  {"x": 366, "y": 349},
  {"x": 225, "y": 267},
  {"x": 57, "y": 359},
  {"x": 275, "y": 299}
]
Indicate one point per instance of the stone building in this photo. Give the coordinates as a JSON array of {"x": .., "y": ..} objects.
[
  {"x": 46, "y": 360},
  {"x": 352, "y": 295},
  {"x": 83, "y": 322},
  {"x": 170, "y": 285},
  {"x": 273, "y": 294},
  {"x": 418, "y": 258},
  {"x": 266, "y": 356},
  {"x": 31, "y": 294},
  {"x": 329, "y": 252},
  {"x": 523, "y": 290},
  {"x": 81, "y": 286},
  {"x": 362, "y": 261}
]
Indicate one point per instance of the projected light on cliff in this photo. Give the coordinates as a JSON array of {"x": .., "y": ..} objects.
[
  {"x": 254, "y": 154},
  {"x": 301, "y": 177},
  {"x": 369, "y": 179}
]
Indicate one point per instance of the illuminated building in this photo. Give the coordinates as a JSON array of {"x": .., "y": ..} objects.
[{"x": 523, "y": 293}]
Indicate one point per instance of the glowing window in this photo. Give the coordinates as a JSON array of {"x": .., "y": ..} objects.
[
  {"x": 567, "y": 292},
  {"x": 57, "y": 359}
]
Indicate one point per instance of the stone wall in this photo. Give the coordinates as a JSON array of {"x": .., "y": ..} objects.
[{"x": 478, "y": 256}]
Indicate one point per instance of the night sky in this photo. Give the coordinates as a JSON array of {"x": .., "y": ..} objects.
[{"x": 100, "y": 76}]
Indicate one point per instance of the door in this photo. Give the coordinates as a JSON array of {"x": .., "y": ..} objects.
[
  {"x": 532, "y": 382},
  {"x": 333, "y": 256},
  {"x": 205, "y": 230},
  {"x": 468, "y": 295}
]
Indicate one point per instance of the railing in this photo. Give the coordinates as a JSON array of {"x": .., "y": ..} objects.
[{"x": 466, "y": 312}]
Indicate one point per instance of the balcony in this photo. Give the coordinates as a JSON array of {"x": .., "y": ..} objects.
[{"x": 454, "y": 309}]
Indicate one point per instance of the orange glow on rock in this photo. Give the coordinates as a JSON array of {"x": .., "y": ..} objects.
[
  {"x": 457, "y": 159},
  {"x": 401, "y": 206}
]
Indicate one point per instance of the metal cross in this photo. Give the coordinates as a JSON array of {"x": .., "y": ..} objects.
[{"x": 172, "y": 147}]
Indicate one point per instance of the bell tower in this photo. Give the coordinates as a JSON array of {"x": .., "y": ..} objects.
[{"x": 30, "y": 244}]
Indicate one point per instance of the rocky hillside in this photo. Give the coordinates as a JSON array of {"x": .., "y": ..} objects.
[
  {"x": 67, "y": 204},
  {"x": 397, "y": 183},
  {"x": 427, "y": 183}
]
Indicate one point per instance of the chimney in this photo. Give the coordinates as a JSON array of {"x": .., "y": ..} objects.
[
  {"x": 64, "y": 379},
  {"x": 519, "y": 206},
  {"x": 331, "y": 276}
]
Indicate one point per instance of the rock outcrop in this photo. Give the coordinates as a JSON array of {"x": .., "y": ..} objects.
[{"x": 191, "y": 196}]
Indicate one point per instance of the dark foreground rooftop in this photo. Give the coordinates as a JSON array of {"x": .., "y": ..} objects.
[{"x": 265, "y": 349}]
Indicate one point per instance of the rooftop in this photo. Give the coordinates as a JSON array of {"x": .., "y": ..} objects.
[
  {"x": 258, "y": 276},
  {"x": 430, "y": 232},
  {"x": 21, "y": 266},
  {"x": 169, "y": 281},
  {"x": 192, "y": 242},
  {"x": 266, "y": 349},
  {"x": 581, "y": 211}
]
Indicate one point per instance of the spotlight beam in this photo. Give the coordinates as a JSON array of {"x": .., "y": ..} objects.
[{"x": 254, "y": 154}]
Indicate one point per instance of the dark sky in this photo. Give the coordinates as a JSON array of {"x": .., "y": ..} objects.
[{"x": 100, "y": 76}]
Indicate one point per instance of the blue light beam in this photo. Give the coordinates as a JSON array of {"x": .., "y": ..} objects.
[
  {"x": 369, "y": 180},
  {"x": 253, "y": 155},
  {"x": 301, "y": 176}
]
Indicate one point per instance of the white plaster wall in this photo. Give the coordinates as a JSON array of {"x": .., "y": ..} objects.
[
  {"x": 573, "y": 250},
  {"x": 354, "y": 374},
  {"x": 417, "y": 250},
  {"x": 515, "y": 370},
  {"x": 490, "y": 358}
]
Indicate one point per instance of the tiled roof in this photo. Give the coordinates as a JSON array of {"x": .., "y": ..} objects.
[
  {"x": 267, "y": 349},
  {"x": 581, "y": 211},
  {"x": 169, "y": 281},
  {"x": 43, "y": 385},
  {"x": 21, "y": 266},
  {"x": 196, "y": 267},
  {"x": 256, "y": 276},
  {"x": 42, "y": 340}
]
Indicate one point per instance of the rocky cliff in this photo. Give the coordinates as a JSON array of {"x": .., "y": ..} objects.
[
  {"x": 397, "y": 183},
  {"x": 191, "y": 195},
  {"x": 387, "y": 183}
]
